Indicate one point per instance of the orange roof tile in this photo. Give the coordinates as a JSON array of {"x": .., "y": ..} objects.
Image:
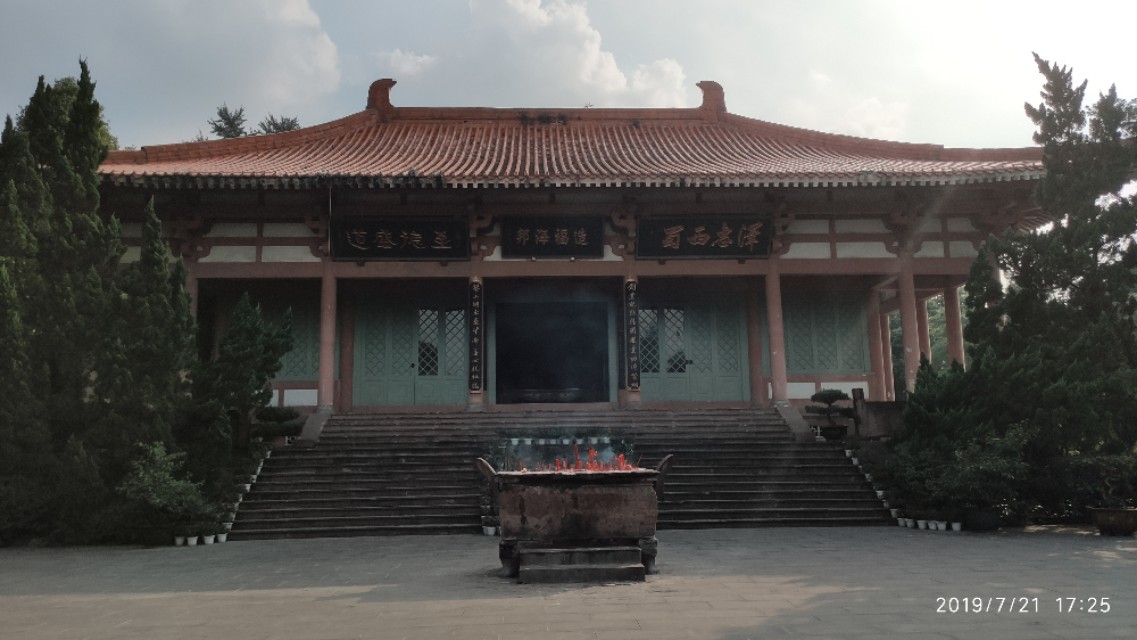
[{"x": 480, "y": 147}]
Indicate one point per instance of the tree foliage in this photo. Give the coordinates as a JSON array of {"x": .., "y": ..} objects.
[
  {"x": 1053, "y": 355},
  {"x": 101, "y": 430},
  {"x": 278, "y": 124},
  {"x": 230, "y": 123},
  {"x": 248, "y": 357}
]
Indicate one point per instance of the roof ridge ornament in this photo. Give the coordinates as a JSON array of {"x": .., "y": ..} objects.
[
  {"x": 714, "y": 98},
  {"x": 379, "y": 95}
]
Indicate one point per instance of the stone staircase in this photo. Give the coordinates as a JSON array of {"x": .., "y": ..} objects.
[{"x": 412, "y": 473}]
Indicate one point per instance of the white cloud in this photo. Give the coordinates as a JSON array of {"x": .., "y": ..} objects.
[
  {"x": 304, "y": 60},
  {"x": 553, "y": 47},
  {"x": 405, "y": 63},
  {"x": 873, "y": 118},
  {"x": 660, "y": 84}
]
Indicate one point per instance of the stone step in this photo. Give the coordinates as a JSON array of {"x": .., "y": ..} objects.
[
  {"x": 399, "y": 486},
  {"x": 386, "y": 474},
  {"x": 705, "y": 475},
  {"x": 549, "y": 556},
  {"x": 237, "y": 534},
  {"x": 781, "y": 521},
  {"x": 329, "y": 491},
  {"x": 674, "y": 515},
  {"x": 846, "y": 492},
  {"x": 372, "y": 470},
  {"x": 301, "y": 513},
  {"x": 262, "y": 502},
  {"x": 253, "y": 521},
  {"x": 672, "y": 505},
  {"x": 540, "y": 574}
]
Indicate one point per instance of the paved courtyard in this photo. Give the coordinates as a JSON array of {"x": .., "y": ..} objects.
[{"x": 721, "y": 584}]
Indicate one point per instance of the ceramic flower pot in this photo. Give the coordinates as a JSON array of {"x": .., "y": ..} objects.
[{"x": 1115, "y": 522}]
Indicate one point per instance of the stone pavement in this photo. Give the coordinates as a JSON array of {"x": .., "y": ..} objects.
[{"x": 724, "y": 584}]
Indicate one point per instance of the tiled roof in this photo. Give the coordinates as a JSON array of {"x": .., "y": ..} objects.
[{"x": 386, "y": 146}]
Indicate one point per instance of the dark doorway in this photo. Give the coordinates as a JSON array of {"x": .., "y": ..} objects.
[{"x": 552, "y": 352}]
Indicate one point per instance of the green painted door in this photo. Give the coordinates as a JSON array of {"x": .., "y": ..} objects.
[
  {"x": 408, "y": 355},
  {"x": 693, "y": 352}
]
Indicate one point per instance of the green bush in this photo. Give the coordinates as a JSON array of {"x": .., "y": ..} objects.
[
  {"x": 270, "y": 430},
  {"x": 276, "y": 414},
  {"x": 157, "y": 493},
  {"x": 1101, "y": 480}
]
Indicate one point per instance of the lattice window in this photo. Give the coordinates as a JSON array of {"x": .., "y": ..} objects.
[
  {"x": 672, "y": 340},
  {"x": 852, "y": 332},
  {"x": 404, "y": 354},
  {"x": 302, "y": 362},
  {"x": 825, "y": 336},
  {"x": 728, "y": 342},
  {"x": 374, "y": 348},
  {"x": 455, "y": 340},
  {"x": 799, "y": 334},
  {"x": 649, "y": 341},
  {"x": 428, "y": 342},
  {"x": 699, "y": 342}
]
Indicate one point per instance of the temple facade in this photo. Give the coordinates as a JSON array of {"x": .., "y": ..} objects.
[{"x": 494, "y": 259}]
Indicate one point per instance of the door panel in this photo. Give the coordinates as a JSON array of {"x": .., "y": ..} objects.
[
  {"x": 408, "y": 355},
  {"x": 693, "y": 352}
]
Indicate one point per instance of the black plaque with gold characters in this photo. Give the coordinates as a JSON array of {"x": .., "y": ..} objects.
[
  {"x": 477, "y": 333},
  {"x": 559, "y": 237},
  {"x": 400, "y": 239},
  {"x": 632, "y": 334},
  {"x": 677, "y": 237}
]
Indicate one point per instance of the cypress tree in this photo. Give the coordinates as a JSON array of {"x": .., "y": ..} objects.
[
  {"x": 248, "y": 357},
  {"x": 1053, "y": 353},
  {"x": 147, "y": 350}
]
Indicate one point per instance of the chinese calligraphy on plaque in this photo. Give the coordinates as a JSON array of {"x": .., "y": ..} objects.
[
  {"x": 400, "y": 239},
  {"x": 552, "y": 237},
  {"x": 703, "y": 237},
  {"x": 632, "y": 334},
  {"x": 476, "y": 335}
]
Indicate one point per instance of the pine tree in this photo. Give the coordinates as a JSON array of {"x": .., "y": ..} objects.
[
  {"x": 248, "y": 357},
  {"x": 281, "y": 124},
  {"x": 1053, "y": 355},
  {"x": 229, "y": 123},
  {"x": 61, "y": 264},
  {"x": 140, "y": 381},
  {"x": 26, "y": 463}
]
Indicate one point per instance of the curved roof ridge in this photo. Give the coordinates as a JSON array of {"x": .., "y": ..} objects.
[
  {"x": 858, "y": 145},
  {"x": 472, "y": 146},
  {"x": 194, "y": 150}
]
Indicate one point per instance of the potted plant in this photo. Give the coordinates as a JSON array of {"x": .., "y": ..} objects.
[
  {"x": 829, "y": 398},
  {"x": 277, "y": 425},
  {"x": 1108, "y": 484},
  {"x": 980, "y": 484}
]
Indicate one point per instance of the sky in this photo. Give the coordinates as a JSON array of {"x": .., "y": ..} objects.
[{"x": 955, "y": 73}]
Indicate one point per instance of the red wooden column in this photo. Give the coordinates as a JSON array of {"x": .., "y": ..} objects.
[
  {"x": 777, "y": 337},
  {"x": 886, "y": 355},
  {"x": 908, "y": 326},
  {"x": 877, "y": 388},
  {"x": 758, "y": 393},
  {"x": 954, "y": 321},
  {"x": 347, "y": 355},
  {"x": 923, "y": 332},
  {"x": 325, "y": 388},
  {"x": 192, "y": 288}
]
